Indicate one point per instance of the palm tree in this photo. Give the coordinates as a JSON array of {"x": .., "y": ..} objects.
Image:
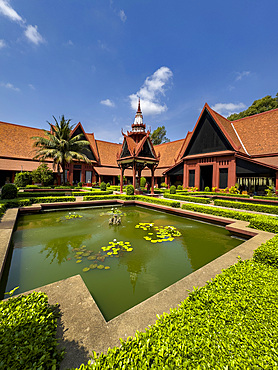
[{"x": 59, "y": 145}]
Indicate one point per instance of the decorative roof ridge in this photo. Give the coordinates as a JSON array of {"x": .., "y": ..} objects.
[
  {"x": 254, "y": 115},
  {"x": 237, "y": 134},
  {"x": 94, "y": 150}
]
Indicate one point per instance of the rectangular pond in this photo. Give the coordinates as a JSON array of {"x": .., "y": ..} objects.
[{"x": 121, "y": 265}]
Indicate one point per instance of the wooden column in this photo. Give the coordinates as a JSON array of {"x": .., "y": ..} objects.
[
  {"x": 232, "y": 173},
  {"x": 185, "y": 175},
  {"x": 197, "y": 176},
  {"x": 122, "y": 179},
  {"x": 152, "y": 188},
  {"x": 134, "y": 175},
  {"x": 276, "y": 182},
  {"x": 139, "y": 177}
]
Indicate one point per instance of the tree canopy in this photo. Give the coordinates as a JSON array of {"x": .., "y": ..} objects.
[
  {"x": 60, "y": 145},
  {"x": 159, "y": 136},
  {"x": 258, "y": 106}
]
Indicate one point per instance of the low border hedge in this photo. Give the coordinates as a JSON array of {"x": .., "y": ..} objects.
[
  {"x": 267, "y": 253},
  {"x": 266, "y": 198},
  {"x": 27, "y": 194},
  {"x": 247, "y": 206},
  {"x": 185, "y": 192},
  {"x": 188, "y": 198},
  {"x": 95, "y": 192},
  {"x": 230, "y": 323},
  {"x": 13, "y": 203},
  {"x": 53, "y": 199},
  {"x": 28, "y": 327}
]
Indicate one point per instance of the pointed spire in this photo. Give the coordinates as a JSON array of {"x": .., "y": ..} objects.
[
  {"x": 139, "y": 108},
  {"x": 138, "y": 125}
]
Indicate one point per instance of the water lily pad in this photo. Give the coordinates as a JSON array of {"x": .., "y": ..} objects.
[
  {"x": 107, "y": 267},
  {"x": 86, "y": 269},
  {"x": 93, "y": 266},
  {"x": 100, "y": 267},
  {"x": 78, "y": 261},
  {"x": 90, "y": 258},
  {"x": 86, "y": 254}
]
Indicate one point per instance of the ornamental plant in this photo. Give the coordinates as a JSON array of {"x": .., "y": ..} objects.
[
  {"x": 173, "y": 189},
  {"x": 103, "y": 186},
  {"x": 207, "y": 189},
  {"x": 143, "y": 182},
  {"x": 130, "y": 190},
  {"x": 179, "y": 187},
  {"x": 22, "y": 179},
  {"x": 9, "y": 191}
]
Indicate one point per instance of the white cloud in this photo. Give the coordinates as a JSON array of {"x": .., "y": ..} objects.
[
  {"x": 240, "y": 75},
  {"x": 10, "y": 86},
  {"x": 108, "y": 103},
  {"x": 122, "y": 15},
  {"x": 150, "y": 92},
  {"x": 228, "y": 108},
  {"x": 2, "y": 44},
  {"x": 32, "y": 87},
  {"x": 31, "y": 32},
  {"x": 9, "y": 12},
  {"x": 33, "y": 35}
]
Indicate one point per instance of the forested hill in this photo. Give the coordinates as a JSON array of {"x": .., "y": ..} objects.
[{"x": 258, "y": 106}]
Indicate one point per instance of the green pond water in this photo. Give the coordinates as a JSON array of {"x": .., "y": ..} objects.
[{"x": 143, "y": 257}]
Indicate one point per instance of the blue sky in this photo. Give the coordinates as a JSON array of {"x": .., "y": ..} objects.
[{"x": 91, "y": 59}]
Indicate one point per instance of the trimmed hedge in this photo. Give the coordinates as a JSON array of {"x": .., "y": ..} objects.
[
  {"x": 53, "y": 199},
  {"x": 28, "y": 327},
  {"x": 267, "y": 253},
  {"x": 95, "y": 192},
  {"x": 266, "y": 198},
  {"x": 184, "y": 192},
  {"x": 30, "y": 194},
  {"x": 187, "y": 198},
  {"x": 141, "y": 198},
  {"x": 230, "y": 323},
  {"x": 248, "y": 206},
  {"x": 3, "y": 208},
  {"x": 265, "y": 223},
  {"x": 14, "y": 203}
]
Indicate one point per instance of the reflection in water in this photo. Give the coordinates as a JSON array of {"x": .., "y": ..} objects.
[{"x": 59, "y": 249}]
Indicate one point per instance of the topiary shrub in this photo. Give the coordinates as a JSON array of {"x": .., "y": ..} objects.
[
  {"x": 130, "y": 190},
  {"x": 207, "y": 189},
  {"x": 22, "y": 179},
  {"x": 103, "y": 186},
  {"x": 173, "y": 189},
  {"x": 108, "y": 185},
  {"x": 163, "y": 185},
  {"x": 43, "y": 175},
  {"x": 143, "y": 182},
  {"x": 179, "y": 187},
  {"x": 79, "y": 185},
  {"x": 9, "y": 191}
]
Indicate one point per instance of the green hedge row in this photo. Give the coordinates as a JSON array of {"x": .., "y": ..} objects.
[
  {"x": 267, "y": 253},
  {"x": 193, "y": 193},
  {"x": 41, "y": 194},
  {"x": 3, "y": 208},
  {"x": 141, "y": 198},
  {"x": 248, "y": 206},
  {"x": 28, "y": 327},
  {"x": 188, "y": 198},
  {"x": 96, "y": 192},
  {"x": 231, "y": 323},
  {"x": 265, "y": 223},
  {"x": 53, "y": 199},
  {"x": 12, "y": 203},
  {"x": 266, "y": 198}
]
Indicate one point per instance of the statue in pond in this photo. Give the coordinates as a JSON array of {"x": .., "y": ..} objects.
[{"x": 115, "y": 220}]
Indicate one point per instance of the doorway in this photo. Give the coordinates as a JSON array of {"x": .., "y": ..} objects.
[
  {"x": 76, "y": 176},
  {"x": 205, "y": 177}
]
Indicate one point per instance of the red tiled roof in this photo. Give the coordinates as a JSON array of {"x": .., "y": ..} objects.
[
  {"x": 20, "y": 165},
  {"x": 16, "y": 142},
  {"x": 108, "y": 152},
  {"x": 259, "y": 133},
  {"x": 169, "y": 152}
]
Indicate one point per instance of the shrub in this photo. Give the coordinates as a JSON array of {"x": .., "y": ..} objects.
[
  {"x": 9, "y": 191},
  {"x": 14, "y": 203},
  {"x": 230, "y": 323},
  {"x": 265, "y": 223},
  {"x": 52, "y": 199},
  {"x": 22, "y": 179},
  {"x": 43, "y": 174},
  {"x": 267, "y": 253},
  {"x": 265, "y": 197},
  {"x": 179, "y": 187},
  {"x": 27, "y": 330},
  {"x": 2, "y": 209},
  {"x": 103, "y": 186},
  {"x": 108, "y": 185},
  {"x": 207, "y": 189},
  {"x": 187, "y": 198},
  {"x": 79, "y": 185},
  {"x": 214, "y": 189},
  {"x": 163, "y": 185},
  {"x": 130, "y": 190},
  {"x": 270, "y": 191},
  {"x": 248, "y": 206},
  {"x": 172, "y": 189},
  {"x": 143, "y": 182},
  {"x": 95, "y": 192},
  {"x": 33, "y": 194},
  {"x": 163, "y": 202}
]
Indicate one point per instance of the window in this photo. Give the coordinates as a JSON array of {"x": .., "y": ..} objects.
[
  {"x": 88, "y": 177},
  {"x": 191, "y": 178}
]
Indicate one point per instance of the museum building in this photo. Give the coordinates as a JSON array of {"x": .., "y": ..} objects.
[{"x": 217, "y": 153}]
